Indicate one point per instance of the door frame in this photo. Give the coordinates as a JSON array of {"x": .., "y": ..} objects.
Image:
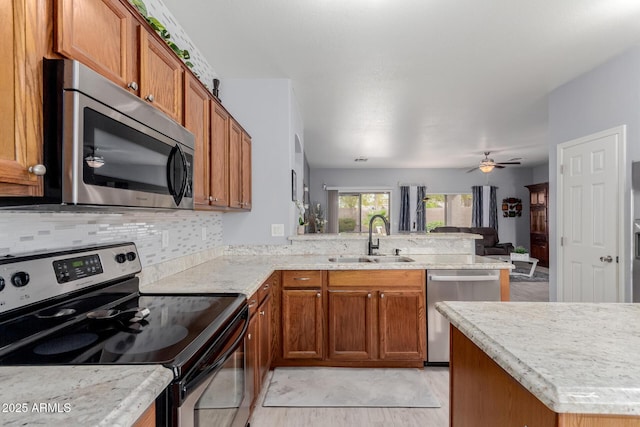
[{"x": 621, "y": 133}]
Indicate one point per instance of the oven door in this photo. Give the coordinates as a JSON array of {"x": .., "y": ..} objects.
[
  {"x": 112, "y": 159},
  {"x": 214, "y": 390}
]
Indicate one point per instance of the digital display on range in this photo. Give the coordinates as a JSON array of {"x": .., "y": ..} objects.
[{"x": 68, "y": 270}]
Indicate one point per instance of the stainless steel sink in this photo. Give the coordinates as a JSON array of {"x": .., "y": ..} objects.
[
  {"x": 349, "y": 259},
  {"x": 391, "y": 258},
  {"x": 378, "y": 258}
]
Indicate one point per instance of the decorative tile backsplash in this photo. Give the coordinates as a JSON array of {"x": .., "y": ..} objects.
[{"x": 24, "y": 232}]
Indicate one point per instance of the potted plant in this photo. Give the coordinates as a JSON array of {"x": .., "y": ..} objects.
[
  {"x": 301, "y": 221},
  {"x": 520, "y": 253}
]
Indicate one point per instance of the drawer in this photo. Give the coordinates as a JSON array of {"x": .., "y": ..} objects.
[
  {"x": 302, "y": 279},
  {"x": 265, "y": 288},
  {"x": 253, "y": 302},
  {"x": 372, "y": 278}
]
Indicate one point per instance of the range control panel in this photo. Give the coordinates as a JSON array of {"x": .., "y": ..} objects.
[
  {"x": 27, "y": 279},
  {"x": 71, "y": 269}
]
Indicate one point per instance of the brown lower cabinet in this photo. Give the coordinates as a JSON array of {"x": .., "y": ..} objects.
[
  {"x": 483, "y": 394},
  {"x": 259, "y": 338},
  {"x": 148, "y": 418},
  {"x": 352, "y": 318}
]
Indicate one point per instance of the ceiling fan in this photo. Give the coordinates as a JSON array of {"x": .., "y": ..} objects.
[{"x": 487, "y": 165}]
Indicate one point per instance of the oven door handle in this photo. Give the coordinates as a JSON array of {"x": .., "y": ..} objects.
[{"x": 191, "y": 383}]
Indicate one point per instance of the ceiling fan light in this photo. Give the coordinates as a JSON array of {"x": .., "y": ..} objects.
[{"x": 486, "y": 168}]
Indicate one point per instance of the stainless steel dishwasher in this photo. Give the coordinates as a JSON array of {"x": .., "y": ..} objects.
[{"x": 454, "y": 285}]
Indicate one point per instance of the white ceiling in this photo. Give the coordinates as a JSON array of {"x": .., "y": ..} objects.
[{"x": 414, "y": 83}]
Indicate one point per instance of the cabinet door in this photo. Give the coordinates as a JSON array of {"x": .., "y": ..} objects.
[
  {"x": 302, "y": 324},
  {"x": 264, "y": 334},
  {"x": 246, "y": 171},
  {"x": 402, "y": 327},
  {"x": 351, "y": 325},
  {"x": 161, "y": 74},
  {"x": 251, "y": 360},
  {"x": 20, "y": 103},
  {"x": 196, "y": 119},
  {"x": 100, "y": 34},
  {"x": 219, "y": 160},
  {"x": 235, "y": 165}
]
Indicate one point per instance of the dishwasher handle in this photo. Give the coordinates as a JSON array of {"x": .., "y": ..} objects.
[{"x": 433, "y": 277}]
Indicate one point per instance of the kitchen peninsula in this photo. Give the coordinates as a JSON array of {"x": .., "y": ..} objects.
[
  {"x": 547, "y": 364},
  {"x": 241, "y": 269}
]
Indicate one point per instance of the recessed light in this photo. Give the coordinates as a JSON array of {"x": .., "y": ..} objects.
[{"x": 361, "y": 159}]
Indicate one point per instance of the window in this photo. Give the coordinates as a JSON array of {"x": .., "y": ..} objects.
[
  {"x": 356, "y": 209},
  {"x": 448, "y": 209}
]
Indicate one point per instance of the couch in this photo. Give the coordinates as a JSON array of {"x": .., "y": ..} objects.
[{"x": 489, "y": 245}]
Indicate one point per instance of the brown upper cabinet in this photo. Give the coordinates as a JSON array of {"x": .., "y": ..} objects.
[
  {"x": 197, "y": 120},
  {"x": 219, "y": 157},
  {"x": 20, "y": 103},
  {"x": 161, "y": 74},
  {"x": 102, "y": 35}
]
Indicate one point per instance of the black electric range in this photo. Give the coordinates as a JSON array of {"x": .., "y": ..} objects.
[{"x": 83, "y": 306}]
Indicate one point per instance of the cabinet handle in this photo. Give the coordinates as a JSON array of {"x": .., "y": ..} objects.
[
  {"x": 149, "y": 97},
  {"x": 210, "y": 199},
  {"x": 252, "y": 303},
  {"x": 381, "y": 295},
  {"x": 266, "y": 286},
  {"x": 133, "y": 86},
  {"x": 38, "y": 170},
  {"x": 261, "y": 312},
  {"x": 302, "y": 278},
  {"x": 249, "y": 337},
  {"x": 215, "y": 199},
  {"x": 318, "y": 295},
  {"x": 369, "y": 295}
]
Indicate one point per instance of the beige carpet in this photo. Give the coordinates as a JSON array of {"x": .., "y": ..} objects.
[{"x": 350, "y": 387}]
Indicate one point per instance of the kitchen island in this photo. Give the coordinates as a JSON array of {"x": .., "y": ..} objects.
[{"x": 565, "y": 364}]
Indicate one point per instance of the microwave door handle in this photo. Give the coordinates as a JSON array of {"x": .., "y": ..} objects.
[{"x": 177, "y": 193}]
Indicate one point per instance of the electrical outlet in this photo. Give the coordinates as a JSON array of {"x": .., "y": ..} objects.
[
  {"x": 277, "y": 230},
  {"x": 204, "y": 233},
  {"x": 165, "y": 239}
]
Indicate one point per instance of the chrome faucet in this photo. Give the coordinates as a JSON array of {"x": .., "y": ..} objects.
[{"x": 386, "y": 227}]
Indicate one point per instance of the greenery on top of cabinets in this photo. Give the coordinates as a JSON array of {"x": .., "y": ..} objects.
[{"x": 162, "y": 31}]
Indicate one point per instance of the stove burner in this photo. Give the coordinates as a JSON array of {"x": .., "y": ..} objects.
[
  {"x": 65, "y": 344},
  {"x": 196, "y": 306},
  {"x": 148, "y": 340}
]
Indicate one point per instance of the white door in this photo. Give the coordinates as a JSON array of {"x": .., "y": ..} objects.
[{"x": 589, "y": 217}]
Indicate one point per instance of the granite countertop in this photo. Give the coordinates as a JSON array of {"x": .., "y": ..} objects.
[
  {"x": 245, "y": 273},
  {"x": 574, "y": 357},
  {"x": 79, "y": 395}
]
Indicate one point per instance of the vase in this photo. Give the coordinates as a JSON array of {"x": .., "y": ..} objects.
[
  {"x": 301, "y": 229},
  {"x": 519, "y": 257}
]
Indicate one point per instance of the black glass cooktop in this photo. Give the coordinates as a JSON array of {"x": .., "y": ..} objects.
[{"x": 174, "y": 329}]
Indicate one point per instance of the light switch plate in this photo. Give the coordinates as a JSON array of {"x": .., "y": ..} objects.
[{"x": 277, "y": 230}]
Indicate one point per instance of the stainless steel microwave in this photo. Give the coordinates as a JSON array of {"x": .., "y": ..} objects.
[{"x": 104, "y": 146}]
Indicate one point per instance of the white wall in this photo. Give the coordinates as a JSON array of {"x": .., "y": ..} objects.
[
  {"x": 540, "y": 174},
  {"x": 605, "y": 97},
  {"x": 510, "y": 182},
  {"x": 264, "y": 107}
]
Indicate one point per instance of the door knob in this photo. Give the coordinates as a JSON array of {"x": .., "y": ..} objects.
[{"x": 607, "y": 258}]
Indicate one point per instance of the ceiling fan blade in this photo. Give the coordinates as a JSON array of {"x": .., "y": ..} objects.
[
  {"x": 508, "y": 163},
  {"x": 472, "y": 169},
  {"x": 498, "y": 166}
]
